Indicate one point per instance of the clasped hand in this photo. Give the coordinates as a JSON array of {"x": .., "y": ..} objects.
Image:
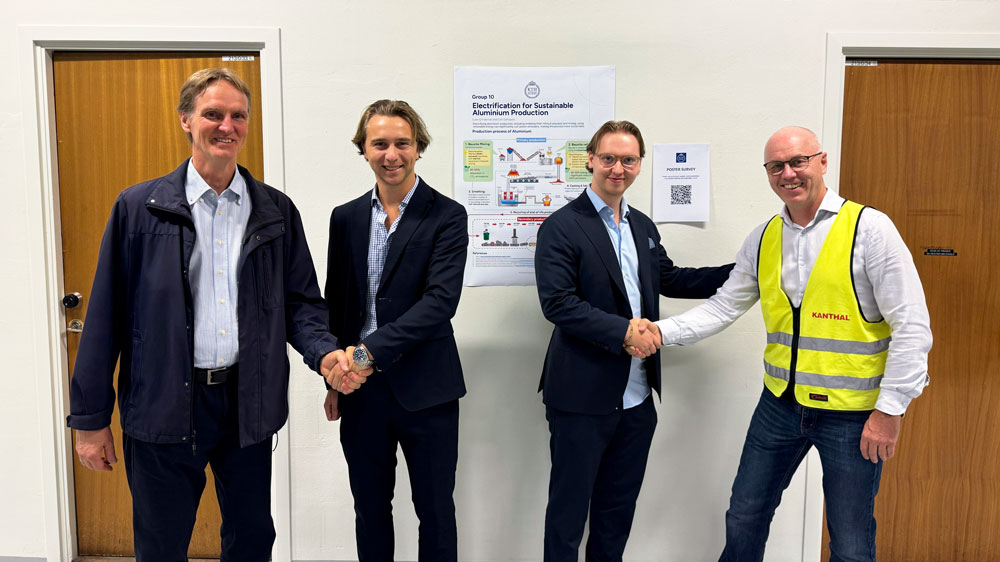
[
  {"x": 645, "y": 338},
  {"x": 341, "y": 372}
]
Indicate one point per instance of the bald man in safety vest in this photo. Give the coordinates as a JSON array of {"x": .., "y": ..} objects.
[{"x": 847, "y": 340}]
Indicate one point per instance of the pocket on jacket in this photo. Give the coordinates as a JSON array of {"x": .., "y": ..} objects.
[
  {"x": 269, "y": 277},
  {"x": 135, "y": 368}
]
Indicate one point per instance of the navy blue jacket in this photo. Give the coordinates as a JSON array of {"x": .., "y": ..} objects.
[
  {"x": 141, "y": 310},
  {"x": 414, "y": 344},
  {"x": 582, "y": 292}
]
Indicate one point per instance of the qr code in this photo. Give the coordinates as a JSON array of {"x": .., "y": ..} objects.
[{"x": 680, "y": 194}]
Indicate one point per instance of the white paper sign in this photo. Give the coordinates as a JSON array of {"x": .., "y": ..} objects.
[
  {"x": 680, "y": 182},
  {"x": 520, "y": 153}
]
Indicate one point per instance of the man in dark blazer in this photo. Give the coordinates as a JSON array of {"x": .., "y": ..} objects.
[
  {"x": 600, "y": 269},
  {"x": 396, "y": 262}
]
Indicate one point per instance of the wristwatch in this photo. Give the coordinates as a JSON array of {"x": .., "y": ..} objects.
[{"x": 361, "y": 357}]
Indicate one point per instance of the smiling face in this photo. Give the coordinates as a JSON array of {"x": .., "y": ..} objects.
[
  {"x": 391, "y": 151},
  {"x": 803, "y": 190},
  {"x": 610, "y": 183},
  {"x": 217, "y": 125}
]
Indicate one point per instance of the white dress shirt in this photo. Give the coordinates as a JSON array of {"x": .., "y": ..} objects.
[
  {"x": 220, "y": 221},
  {"x": 637, "y": 388},
  {"x": 885, "y": 279}
]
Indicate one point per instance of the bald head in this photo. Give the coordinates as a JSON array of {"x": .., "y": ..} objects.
[
  {"x": 791, "y": 136},
  {"x": 795, "y": 164}
]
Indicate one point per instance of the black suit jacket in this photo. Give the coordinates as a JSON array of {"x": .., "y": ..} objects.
[
  {"x": 582, "y": 292},
  {"x": 414, "y": 344}
]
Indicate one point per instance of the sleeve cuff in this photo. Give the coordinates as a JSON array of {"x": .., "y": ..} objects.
[
  {"x": 89, "y": 422},
  {"x": 670, "y": 334},
  {"x": 892, "y": 402}
]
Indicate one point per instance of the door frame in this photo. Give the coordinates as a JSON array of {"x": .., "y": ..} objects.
[
  {"x": 36, "y": 45},
  {"x": 840, "y": 46}
]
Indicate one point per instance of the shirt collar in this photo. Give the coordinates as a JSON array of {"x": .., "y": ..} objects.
[
  {"x": 831, "y": 204},
  {"x": 402, "y": 204},
  {"x": 600, "y": 205},
  {"x": 195, "y": 186}
]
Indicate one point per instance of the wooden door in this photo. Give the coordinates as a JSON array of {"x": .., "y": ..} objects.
[
  {"x": 116, "y": 125},
  {"x": 921, "y": 142}
]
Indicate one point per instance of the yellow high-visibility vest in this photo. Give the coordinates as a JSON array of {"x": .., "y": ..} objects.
[{"x": 836, "y": 355}]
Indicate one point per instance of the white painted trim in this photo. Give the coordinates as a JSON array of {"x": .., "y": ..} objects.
[
  {"x": 839, "y": 46},
  {"x": 35, "y": 47}
]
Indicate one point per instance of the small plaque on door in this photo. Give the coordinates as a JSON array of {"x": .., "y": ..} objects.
[
  {"x": 940, "y": 252},
  {"x": 237, "y": 58}
]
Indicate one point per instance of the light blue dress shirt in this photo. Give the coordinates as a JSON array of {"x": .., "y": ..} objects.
[
  {"x": 621, "y": 238},
  {"x": 378, "y": 247},
  {"x": 220, "y": 222}
]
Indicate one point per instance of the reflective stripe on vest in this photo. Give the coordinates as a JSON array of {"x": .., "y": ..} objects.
[{"x": 837, "y": 355}]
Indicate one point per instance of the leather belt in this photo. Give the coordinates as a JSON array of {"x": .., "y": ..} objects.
[{"x": 216, "y": 376}]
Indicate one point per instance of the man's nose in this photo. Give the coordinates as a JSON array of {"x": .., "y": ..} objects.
[
  {"x": 227, "y": 123},
  {"x": 787, "y": 171}
]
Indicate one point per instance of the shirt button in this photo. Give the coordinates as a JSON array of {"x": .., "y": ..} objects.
[
  {"x": 220, "y": 212},
  {"x": 223, "y": 332},
  {"x": 222, "y": 301},
  {"x": 220, "y": 272},
  {"x": 219, "y": 242}
]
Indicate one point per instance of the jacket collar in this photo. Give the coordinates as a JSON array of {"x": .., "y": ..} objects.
[{"x": 168, "y": 194}]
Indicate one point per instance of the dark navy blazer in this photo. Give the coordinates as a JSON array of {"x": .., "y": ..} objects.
[
  {"x": 582, "y": 292},
  {"x": 414, "y": 344}
]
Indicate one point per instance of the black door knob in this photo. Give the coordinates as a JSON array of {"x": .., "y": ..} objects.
[{"x": 72, "y": 300}]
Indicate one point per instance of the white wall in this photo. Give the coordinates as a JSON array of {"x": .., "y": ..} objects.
[{"x": 725, "y": 72}]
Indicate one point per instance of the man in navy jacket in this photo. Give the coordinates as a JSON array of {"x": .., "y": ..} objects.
[
  {"x": 396, "y": 261},
  {"x": 202, "y": 277},
  {"x": 600, "y": 269}
]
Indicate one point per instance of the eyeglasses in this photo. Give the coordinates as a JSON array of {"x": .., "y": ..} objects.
[
  {"x": 775, "y": 167},
  {"x": 608, "y": 161}
]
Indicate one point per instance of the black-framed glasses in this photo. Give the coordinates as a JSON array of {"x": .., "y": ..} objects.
[
  {"x": 775, "y": 167},
  {"x": 608, "y": 160}
]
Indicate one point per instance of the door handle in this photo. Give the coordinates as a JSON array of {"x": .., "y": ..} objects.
[
  {"x": 72, "y": 300},
  {"x": 75, "y": 325}
]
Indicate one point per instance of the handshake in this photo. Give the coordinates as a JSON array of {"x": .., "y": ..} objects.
[
  {"x": 643, "y": 338},
  {"x": 341, "y": 372}
]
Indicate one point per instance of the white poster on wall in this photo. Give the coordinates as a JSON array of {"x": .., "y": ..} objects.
[
  {"x": 520, "y": 153},
  {"x": 680, "y": 182}
]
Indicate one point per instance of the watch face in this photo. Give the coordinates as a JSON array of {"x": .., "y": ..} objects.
[{"x": 361, "y": 356}]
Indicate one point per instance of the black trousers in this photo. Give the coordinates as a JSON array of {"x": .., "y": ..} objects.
[
  {"x": 372, "y": 424},
  {"x": 598, "y": 463},
  {"x": 167, "y": 480}
]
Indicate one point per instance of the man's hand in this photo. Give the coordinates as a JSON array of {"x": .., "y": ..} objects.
[
  {"x": 330, "y": 405},
  {"x": 645, "y": 338},
  {"x": 340, "y": 371},
  {"x": 96, "y": 448},
  {"x": 878, "y": 440}
]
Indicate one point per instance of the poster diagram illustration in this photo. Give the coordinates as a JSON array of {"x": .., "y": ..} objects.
[{"x": 521, "y": 153}]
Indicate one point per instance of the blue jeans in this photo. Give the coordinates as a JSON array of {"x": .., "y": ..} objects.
[{"x": 779, "y": 437}]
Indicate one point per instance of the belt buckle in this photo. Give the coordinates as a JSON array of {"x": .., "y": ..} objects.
[{"x": 210, "y": 376}]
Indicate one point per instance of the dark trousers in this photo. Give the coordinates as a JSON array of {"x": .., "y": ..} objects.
[
  {"x": 372, "y": 425},
  {"x": 780, "y": 435},
  {"x": 598, "y": 462},
  {"x": 167, "y": 480}
]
